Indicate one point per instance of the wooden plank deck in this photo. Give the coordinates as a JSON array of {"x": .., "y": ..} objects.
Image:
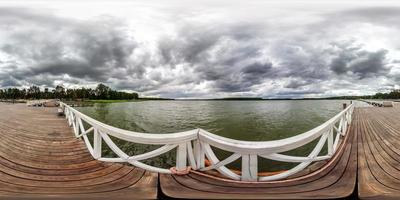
[
  {"x": 379, "y": 153},
  {"x": 335, "y": 180},
  {"x": 41, "y": 159}
]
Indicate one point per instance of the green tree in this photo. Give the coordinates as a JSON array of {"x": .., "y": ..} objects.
[
  {"x": 59, "y": 92},
  {"x": 102, "y": 91}
]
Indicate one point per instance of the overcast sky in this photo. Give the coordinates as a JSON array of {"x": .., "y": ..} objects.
[{"x": 203, "y": 49}]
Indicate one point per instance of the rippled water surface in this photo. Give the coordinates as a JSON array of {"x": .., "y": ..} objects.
[{"x": 243, "y": 120}]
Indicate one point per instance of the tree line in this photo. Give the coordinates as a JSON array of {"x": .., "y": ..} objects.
[
  {"x": 34, "y": 92},
  {"x": 106, "y": 93},
  {"x": 395, "y": 94}
]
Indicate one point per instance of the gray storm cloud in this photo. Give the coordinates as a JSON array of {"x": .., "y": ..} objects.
[
  {"x": 47, "y": 45},
  {"x": 208, "y": 59}
]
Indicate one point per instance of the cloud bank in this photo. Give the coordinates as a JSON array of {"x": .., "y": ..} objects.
[{"x": 205, "y": 53}]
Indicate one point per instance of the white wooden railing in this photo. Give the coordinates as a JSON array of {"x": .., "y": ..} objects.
[{"x": 195, "y": 146}]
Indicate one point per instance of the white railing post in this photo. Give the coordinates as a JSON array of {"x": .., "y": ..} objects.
[
  {"x": 76, "y": 126},
  {"x": 330, "y": 142},
  {"x": 97, "y": 144},
  {"x": 190, "y": 155},
  {"x": 254, "y": 167},
  {"x": 249, "y": 167},
  {"x": 344, "y": 125},
  {"x": 198, "y": 154},
  {"x": 68, "y": 116},
  {"x": 181, "y": 157}
]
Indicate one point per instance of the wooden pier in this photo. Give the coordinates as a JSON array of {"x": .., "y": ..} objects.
[
  {"x": 41, "y": 158},
  {"x": 378, "y": 133}
]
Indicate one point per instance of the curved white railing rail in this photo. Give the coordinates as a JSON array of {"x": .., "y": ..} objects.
[{"x": 195, "y": 146}]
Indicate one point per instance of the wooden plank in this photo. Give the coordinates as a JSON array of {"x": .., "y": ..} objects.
[
  {"x": 41, "y": 159},
  {"x": 379, "y": 153}
]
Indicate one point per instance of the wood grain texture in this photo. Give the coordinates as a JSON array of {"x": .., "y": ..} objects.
[
  {"x": 41, "y": 159},
  {"x": 334, "y": 180},
  {"x": 379, "y": 153}
]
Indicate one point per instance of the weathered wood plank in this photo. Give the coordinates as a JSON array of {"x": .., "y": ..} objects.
[
  {"x": 379, "y": 153},
  {"x": 41, "y": 159}
]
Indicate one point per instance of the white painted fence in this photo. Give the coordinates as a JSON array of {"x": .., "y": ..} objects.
[{"x": 194, "y": 146}]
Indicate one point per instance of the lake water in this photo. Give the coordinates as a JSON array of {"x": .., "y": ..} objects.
[{"x": 242, "y": 120}]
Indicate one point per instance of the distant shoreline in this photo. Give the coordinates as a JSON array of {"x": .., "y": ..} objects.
[
  {"x": 263, "y": 99},
  {"x": 167, "y": 99}
]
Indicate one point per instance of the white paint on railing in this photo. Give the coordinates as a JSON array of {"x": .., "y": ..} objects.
[{"x": 194, "y": 147}]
